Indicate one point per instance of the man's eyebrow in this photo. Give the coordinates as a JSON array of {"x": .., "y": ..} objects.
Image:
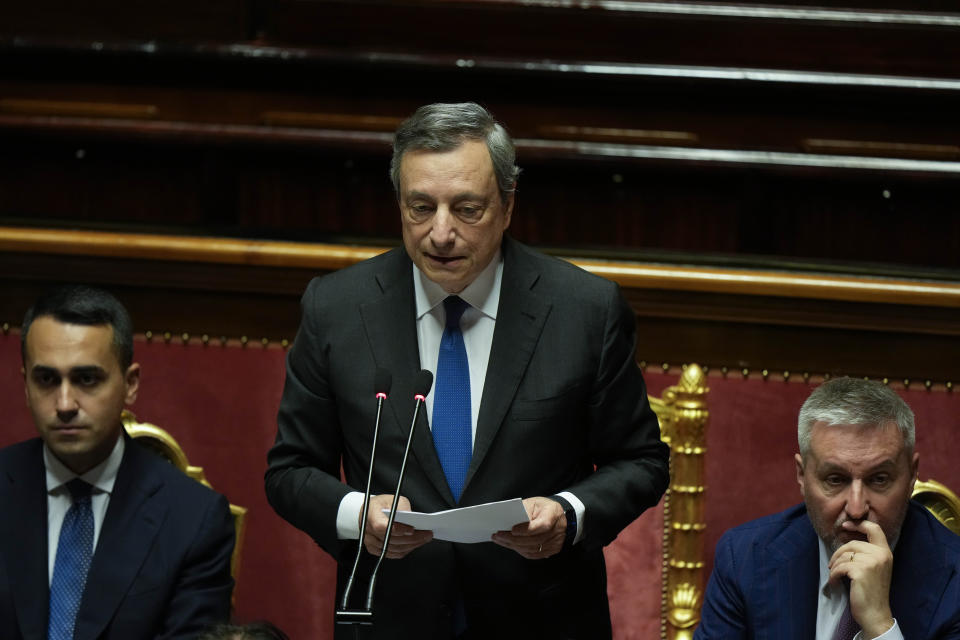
[
  {"x": 469, "y": 195},
  {"x": 413, "y": 195},
  {"x": 464, "y": 195},
  {"x": 87, "y": 369},
  {"x": 42, "y": 368},
  {"x": 81, "y": 370},
  {"x": 830, "y": 467}
]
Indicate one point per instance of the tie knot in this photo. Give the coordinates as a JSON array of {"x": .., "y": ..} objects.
[
  {"x": 79, "y": 489},
  {"x": 454, "y": 306}
]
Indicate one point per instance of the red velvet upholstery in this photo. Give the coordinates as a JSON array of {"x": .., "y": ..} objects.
[
  {"x": 752, "y": 438},
  {"x": 220, "y": 404}
]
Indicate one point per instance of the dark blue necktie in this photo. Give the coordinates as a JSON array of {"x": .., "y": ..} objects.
[
  {"x": 451, "y": 402},
  {"x": 74, "y": 551}
]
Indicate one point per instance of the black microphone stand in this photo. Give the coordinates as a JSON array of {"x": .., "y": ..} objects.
[
  {"x": 364, "y": 616},
  {"x": 422, "y": 386},
  {"x": 382, "y": 383}
]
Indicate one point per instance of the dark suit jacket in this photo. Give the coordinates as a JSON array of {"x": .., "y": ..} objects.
[
  {"x": 161, "y": 568},
  {"x": 766, "y": 575},
  {"x": 562, "y": 394}
]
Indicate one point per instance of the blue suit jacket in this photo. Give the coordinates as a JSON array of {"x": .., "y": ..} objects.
[
  {"x": 161, "y": 568},
  {"x": 766, "y": 574}
]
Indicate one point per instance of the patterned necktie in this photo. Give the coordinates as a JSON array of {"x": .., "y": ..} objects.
[
  {"x": 847, "y": 627},
  {"x": 74, "y": 551},
  {"x": 451, "y": 404}
]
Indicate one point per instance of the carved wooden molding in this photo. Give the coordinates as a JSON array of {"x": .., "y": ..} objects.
[{"x": 334, "y": 256}]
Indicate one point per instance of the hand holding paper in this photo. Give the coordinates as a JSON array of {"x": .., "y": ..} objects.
[
  {"x": 542, "y": 536},
  {"x": 403, "y": 540},
  {"x": 468, "y": 524}
]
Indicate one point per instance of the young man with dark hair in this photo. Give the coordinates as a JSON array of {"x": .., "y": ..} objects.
[{"x": 100, "y": 539}]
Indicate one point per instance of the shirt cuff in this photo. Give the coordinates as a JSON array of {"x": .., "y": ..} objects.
[
  {"x": 893, "y": 633},
  {"x": 348, "y": 516},
  {"x": 580, "y": 509}
]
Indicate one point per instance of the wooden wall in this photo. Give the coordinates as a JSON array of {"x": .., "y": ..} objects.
[
  {"x": 737, "y": 320},
  {"x": 804, "y": 138}
]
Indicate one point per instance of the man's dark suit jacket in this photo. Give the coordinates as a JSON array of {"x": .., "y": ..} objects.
[
  {"x": 161, "y": 568},
  {"x": 766, "y": 575},
  {"x": 562, "y": 394}
]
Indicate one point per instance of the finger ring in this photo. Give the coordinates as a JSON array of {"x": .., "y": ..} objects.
[
  {"x": 852, "y": 554},
  {"x": 540, "y": 548}
]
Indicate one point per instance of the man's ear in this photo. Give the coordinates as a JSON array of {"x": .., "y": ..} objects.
[
  {"x": 798, "y": 459},
  {"x": 132, "y": 379},
  {"x": 914, "y": 470},
  {"x": 508, "y": 209}
]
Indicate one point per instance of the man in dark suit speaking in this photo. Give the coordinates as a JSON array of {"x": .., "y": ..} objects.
[
  {"x": 537, "y": 395},
  {"x": 99, "y": 538},
  {"x": 858, "y": 558}
]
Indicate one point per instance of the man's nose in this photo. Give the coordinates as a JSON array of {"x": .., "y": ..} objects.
[
  {"x": 443, "y": 232},
  {"x": 67, "y": 406},
  {"x": 857, "y": 503}
]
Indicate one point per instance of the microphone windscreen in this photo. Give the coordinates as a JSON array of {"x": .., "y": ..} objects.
[
  {"x": 382, "y": 381},
  {"x": 422, "y": 383}
]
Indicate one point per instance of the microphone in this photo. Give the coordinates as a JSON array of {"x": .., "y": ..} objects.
[
  {"x": 421, "y": 386},
  {"x": 382, "y": 381}
]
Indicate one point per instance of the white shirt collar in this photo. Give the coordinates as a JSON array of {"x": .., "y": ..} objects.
[
  {"x": 482, "y": 294},
  {"x": 101, "y": 476},
  {"x": 825, "y": 587}
]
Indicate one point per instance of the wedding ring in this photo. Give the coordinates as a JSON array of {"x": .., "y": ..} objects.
[{"x": 540, "y": 548}]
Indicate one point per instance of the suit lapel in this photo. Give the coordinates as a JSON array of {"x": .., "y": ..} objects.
[
  {"x": 390, "y": 324},
  {"x": 25, "y": 543},
  {"x": 791, "y": 576},
  {"x": 917, "y": 560},
  {"x": 520, "y": 319},
  {"x": 131, "y": 523}
]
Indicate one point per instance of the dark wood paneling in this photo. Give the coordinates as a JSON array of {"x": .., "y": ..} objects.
[
  {"x": 733, "y": 330},
  {"x": 127, "y": 19},
  {"x": 598, "y": 32},
  {"x": 657, "y": 131},
  {"x": 849, "y": 219}
]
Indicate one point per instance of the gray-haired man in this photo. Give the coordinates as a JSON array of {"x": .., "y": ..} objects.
[
  {"x": 549, "y": 404},
  {"x": 857, "y": 558}
]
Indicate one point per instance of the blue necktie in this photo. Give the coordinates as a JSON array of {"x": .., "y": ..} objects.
[
  {"x": 451, "y": 404},
  {"x": 74, "y": 551}
]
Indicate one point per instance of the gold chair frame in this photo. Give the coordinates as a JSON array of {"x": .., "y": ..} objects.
[
  {"x": 164, "y": 444},
  {"x": 683, "y": 415},
  {"x": 682, "y": 412},
  {"x": 940, "y": 501}
]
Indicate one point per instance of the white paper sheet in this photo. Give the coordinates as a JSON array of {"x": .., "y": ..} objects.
[{"x": 468, "y": 524}]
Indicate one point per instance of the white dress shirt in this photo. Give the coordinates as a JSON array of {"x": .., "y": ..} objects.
[
  {"x": 477, "y": 325},
  {"x": 833, "y": 601},
  {"x": 101, "y": 477}
]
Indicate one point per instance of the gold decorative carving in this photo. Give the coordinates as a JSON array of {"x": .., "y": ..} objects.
[
  {"x": 684, "y": 609},
  {"x": 940, "y": 501},
  {"x": 683, "y": 415},
  {"x": 163, "y": 444}
]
